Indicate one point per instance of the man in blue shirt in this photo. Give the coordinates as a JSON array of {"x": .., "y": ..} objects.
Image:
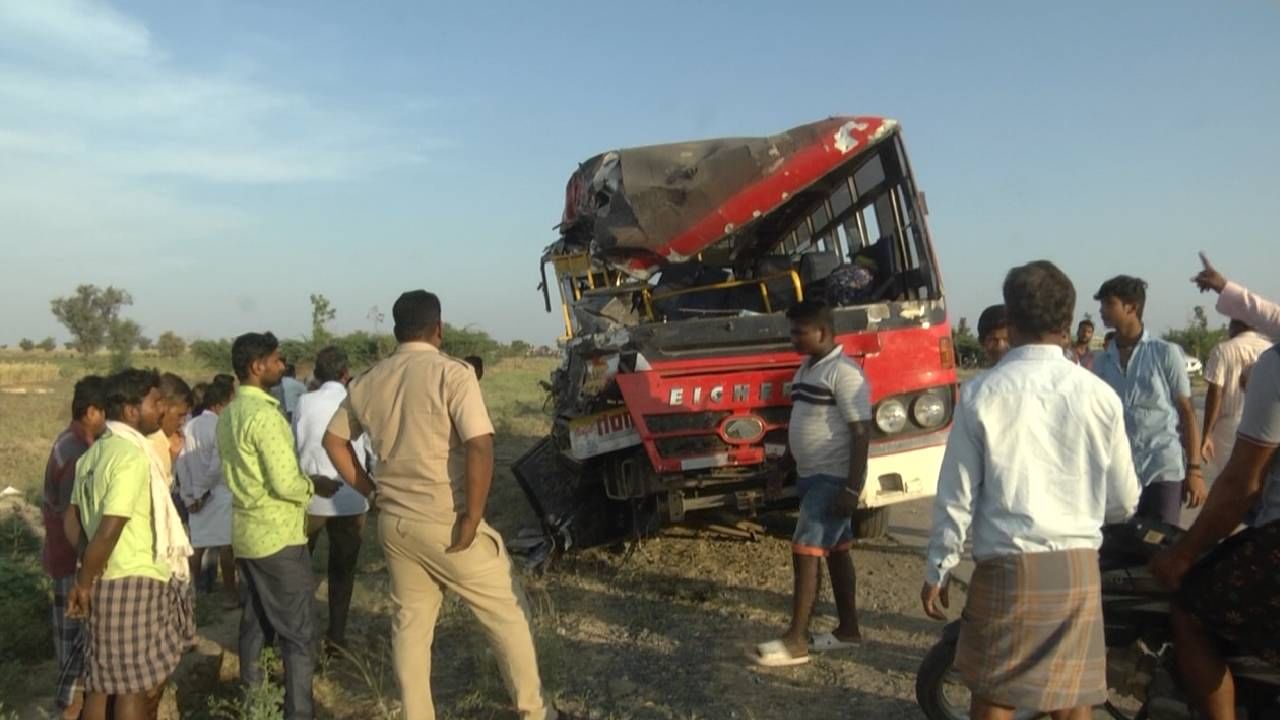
[{"x": 1150, "y": 376}]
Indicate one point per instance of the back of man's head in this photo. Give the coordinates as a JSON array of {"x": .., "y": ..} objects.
[
  {"x": 331, "y": 364},
  {"x": 813, "y": 312},
  {"x": 1236, "y": 327},
  {"x": 417, "y": 315},
  {"x": 90, "y": 391},
  {"x": 250, "y": 348},
  {"x": 219, "y": 392},
  {"x": 1127, "y": 289},
  {"x": 128, "y": 387},
  {"x": 992, "y": 319},
  {"x": 174, "y": 389},
  {"x": 1040, "y": 298}
]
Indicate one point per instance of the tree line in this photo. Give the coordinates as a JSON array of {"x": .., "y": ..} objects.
[{"x": 93, "y": 317}]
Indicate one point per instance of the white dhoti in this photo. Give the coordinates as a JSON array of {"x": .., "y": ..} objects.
[
  {"x": 1224, "y": 439},
  {"x": 211, "y": 527}
]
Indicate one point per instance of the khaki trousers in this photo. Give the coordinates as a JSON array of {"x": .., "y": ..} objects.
[{"x": 481, "y": 575}]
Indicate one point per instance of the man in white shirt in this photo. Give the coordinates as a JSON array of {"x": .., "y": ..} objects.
[
  {"x": 203, "y": 489},
  {"x": 1228, "y": 365},
  {"x": 343, "y": 515},
  {"x": 1037, "y": 461},
  {"x": 289, "y": 391}
]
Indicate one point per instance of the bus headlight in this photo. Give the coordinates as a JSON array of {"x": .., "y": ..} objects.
[
  {"x": 929, "y": 411},
  {"x": 891, "y": 416}
]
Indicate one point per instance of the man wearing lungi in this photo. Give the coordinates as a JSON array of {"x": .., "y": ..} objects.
[
  {"x": 1234, "y": 591},
  {"x": 1036, "y": 462},
  {"x": 131, "y": 586},
  {"x": 203, "y": 489},
  {"x": 88, "y": 422}
]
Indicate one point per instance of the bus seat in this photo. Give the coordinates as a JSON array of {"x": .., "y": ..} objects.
[{"x": 815, "y": 267}]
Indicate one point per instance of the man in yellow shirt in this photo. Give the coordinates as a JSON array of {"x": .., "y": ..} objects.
[
  {"x": 269, "y": 499},
  {"x": 175, "y": 403},
  {"x": 139, "y": 617}
]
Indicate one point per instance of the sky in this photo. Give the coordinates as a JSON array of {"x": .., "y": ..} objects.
[{"x": 222, "y": 160}]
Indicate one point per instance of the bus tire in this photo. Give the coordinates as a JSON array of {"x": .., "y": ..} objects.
[{"x": 870, "y": 523}]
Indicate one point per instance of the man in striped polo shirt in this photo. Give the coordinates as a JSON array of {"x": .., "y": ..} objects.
[{"x": 829, "y": 433}]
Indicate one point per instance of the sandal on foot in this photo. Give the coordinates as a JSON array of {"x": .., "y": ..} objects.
[
  {"x": 827, "y": 642},
  {"x": 775, "y": 654}
]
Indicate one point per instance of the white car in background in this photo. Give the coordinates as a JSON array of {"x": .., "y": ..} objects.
[{"x": 1194, "y": 366}]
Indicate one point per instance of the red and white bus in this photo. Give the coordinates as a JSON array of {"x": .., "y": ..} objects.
[{"x": 675, "y": 266}]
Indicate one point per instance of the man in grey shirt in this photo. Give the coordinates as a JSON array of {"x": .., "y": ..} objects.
[{"x": 1233, "y": 592}]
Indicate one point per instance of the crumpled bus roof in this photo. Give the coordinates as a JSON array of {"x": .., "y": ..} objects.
[{"x": 637, "y": 209}]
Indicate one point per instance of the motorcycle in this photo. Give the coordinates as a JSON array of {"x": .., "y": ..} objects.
[{"x": 1141, "y": 675}]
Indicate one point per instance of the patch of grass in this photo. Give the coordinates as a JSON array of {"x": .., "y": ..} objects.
[
  {"x": 24, "y": 606},
  {"x": 259, "y": 702},
  {"x": 17, "y": 373}
]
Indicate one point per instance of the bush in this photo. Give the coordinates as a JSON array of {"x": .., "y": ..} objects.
[
  {"x": 169, "y": 345},
  {"x": 24, "y": 596},
  {"x": 27, "y": 344},
  {"x": 214, "y": 354},
  {"x": 461, "y": 342}
]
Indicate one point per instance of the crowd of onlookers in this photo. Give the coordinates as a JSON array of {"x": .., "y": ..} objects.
[
  {"x": 154, "y": 481},
  {"x": 156, "y": 487}
]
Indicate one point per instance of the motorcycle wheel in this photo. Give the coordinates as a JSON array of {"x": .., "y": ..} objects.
[{"x": 939, "y": 691}]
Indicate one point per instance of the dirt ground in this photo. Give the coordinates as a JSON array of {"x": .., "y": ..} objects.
[{"x": 662, "y": 631}]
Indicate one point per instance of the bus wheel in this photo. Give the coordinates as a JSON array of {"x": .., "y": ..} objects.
[{"x": 870, "y": 523}]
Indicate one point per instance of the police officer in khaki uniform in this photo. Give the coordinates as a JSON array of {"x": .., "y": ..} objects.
[{"x": 433, "y": 439}]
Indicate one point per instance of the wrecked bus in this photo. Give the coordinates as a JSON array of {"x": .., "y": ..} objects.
[{"x": 674, "y": 268}]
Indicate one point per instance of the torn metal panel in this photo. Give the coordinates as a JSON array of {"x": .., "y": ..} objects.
[{"x": 637, "y": 209}]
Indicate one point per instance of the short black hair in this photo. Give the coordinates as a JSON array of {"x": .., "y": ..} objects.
[
  {"x": 90, "y": 391},
  {"x": 1040, "y": 298},
  {"x": 128, "y": 387},
  {"x": 813, "y": 312},
  {"x": 227, "y": 378},
  {"x": 416, "y": 314},
  {"x": 476, "y": 362},
  {"x": 992, "y": 319},
  {"x": 1127, "y": 289},
  {"x": 174, "y": 388},
  {"x": 218, "y": 392},
  {"x": 197, "y": 398},
  {"x": 290, "y": 370},
  {"x": 250, "y": 348},
  {"x": 1085, "y": 323},
  {"x": 331, "y": 364},
  {"x": 1237, "y": 326}
]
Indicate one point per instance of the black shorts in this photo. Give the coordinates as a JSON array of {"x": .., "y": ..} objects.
[{"x": 1235, "y": 591}]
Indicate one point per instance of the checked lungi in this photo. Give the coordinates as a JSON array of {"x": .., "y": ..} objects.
[
  {"x": 1235, "y": 591},
  {"x": 1031, "y": 636},
  {"x": 68, "y": 644},
  {"x": 137, "y": 631}
]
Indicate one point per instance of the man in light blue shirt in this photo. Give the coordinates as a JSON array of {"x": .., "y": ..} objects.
[{"x": 1150, "y": 376}]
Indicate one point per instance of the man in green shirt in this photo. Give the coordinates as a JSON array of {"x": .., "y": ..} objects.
[
  {"x": 139, "y": 619},
  {"x": 270, "y": 495}
]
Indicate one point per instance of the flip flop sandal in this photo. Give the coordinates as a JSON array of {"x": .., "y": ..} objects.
[
  {"x": 775, "y": 654},
  {"x": 828, "y": 642}
]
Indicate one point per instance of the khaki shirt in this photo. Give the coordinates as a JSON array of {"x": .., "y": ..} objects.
[{"x": 419, "y": 407}]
